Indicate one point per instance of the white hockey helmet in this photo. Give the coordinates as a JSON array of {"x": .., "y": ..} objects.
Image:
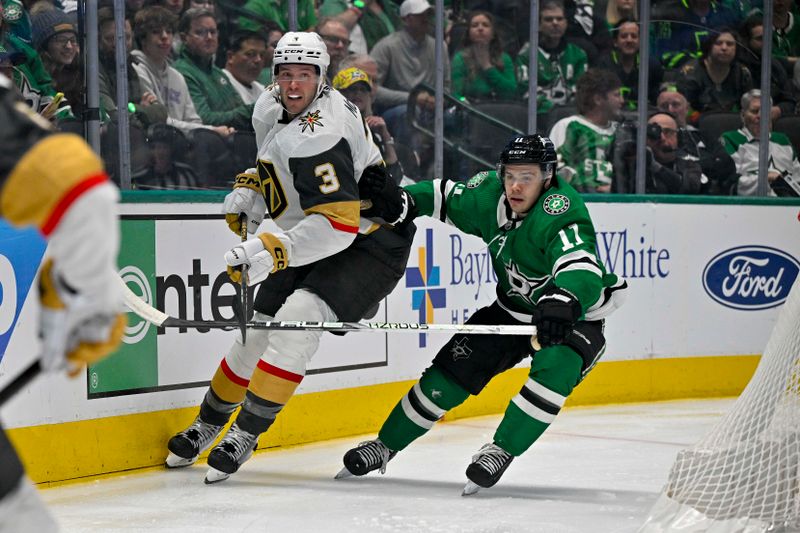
[{"x": 303, "y": 48}]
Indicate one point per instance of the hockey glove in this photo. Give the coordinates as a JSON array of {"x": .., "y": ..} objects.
[
  {"x": 75, "y": 329},
  {"x": 246, "y": 197},
  {"x": 382, "y": 198},
  {"x": 555, "y": 314},
  {"x": 263, "y": 255}
]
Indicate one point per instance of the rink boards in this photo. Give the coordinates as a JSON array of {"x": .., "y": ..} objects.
[{"x": 706, "y": 282}]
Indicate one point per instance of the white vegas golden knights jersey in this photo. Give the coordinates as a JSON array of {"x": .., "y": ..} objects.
[{"x": 310, "y": 166}]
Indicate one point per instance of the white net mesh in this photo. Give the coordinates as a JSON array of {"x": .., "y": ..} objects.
[{"x": 744, "y": 476}]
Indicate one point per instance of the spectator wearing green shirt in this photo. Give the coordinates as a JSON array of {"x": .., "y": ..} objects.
[
  {"x": 560, "y": 62},
  {"x": 583, "y": 141},
  {"x": 786, "y": 32},
  {"x": 481, "y": 70},
  {"x": 278, "y": 10},
  {"x": 215, "y": 99},
  {"x": 374, "y": 19}
]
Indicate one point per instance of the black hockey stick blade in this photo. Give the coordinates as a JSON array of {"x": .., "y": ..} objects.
[{"x": 23, "y": 379}]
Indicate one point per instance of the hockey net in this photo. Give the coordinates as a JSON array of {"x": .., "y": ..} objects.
[{"x": 744, "y": 475}]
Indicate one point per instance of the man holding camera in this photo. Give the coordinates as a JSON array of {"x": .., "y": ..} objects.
[
  {"x": 669, "y": 169},
  {"x": 719, "y": 171}
]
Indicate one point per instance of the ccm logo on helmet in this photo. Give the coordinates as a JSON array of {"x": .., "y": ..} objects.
[{"x": 299, "y": 51}]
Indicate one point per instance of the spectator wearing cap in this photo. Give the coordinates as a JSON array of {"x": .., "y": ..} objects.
[
  {"x": 719, "y": 171},
  {"x": 30, "y": 76},
  {"x": 245, "y": 59},
  {"x": 357, "y": 87},
  {"x": 53, "y": 23},
  {"x": 384, "y": 98},
  {"x": 56, "y": 39},
  {"x": 407, "y": 58}
]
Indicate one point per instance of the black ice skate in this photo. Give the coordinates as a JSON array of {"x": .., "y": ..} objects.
[
  {"x": 186, "y": 446},
  {"x": 236, "y": 447},
  {"x": 366, "y": 457},
  {"x": 486, "y": 468}
]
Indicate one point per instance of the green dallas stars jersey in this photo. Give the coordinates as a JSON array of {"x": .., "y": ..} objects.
[
  {"x": 583, "y": 149},
  {"x": 553, "y": 244}
]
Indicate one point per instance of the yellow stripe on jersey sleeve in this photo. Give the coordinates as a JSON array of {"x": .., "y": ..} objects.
[{"x": 344, "y": 216}]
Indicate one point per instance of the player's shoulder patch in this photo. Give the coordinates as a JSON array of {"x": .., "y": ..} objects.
[
  {"x": 311, "y": 120},
  {"x": 477, "y": 179},
  {"x": 555, "y": 204}
]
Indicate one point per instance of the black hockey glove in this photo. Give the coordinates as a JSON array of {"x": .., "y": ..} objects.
[
  {"x": 382, "y": 198},
  {"x": 555, "y": 314}
]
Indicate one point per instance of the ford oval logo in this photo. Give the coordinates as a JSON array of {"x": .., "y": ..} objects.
[{"x": 750, "y": 277}]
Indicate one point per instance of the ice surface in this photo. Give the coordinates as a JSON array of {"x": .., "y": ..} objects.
[{"x": 596, "y": 469}]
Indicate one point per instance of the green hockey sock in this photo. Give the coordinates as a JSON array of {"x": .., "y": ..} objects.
[
  {"x": 554, "y": 373},
  {"x": 427, "y": 401}
]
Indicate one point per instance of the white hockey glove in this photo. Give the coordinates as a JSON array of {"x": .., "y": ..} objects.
[
  {"x": 262, "y": 255},
  {"x": 76, "y": 329},
  {"x": 247, "y": 197}
]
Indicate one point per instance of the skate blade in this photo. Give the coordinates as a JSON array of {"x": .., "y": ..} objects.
[
  {"x": 343, "y": 473},
  {"x": 470, "y": 488},
  {"x": 215, "y": 476},
  {"x": 176, "y": 461}
]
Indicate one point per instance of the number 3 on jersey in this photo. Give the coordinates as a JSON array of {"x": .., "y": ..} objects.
[
  {"x": 273, "y": 192},
  {"x": 330, "y": 182}
]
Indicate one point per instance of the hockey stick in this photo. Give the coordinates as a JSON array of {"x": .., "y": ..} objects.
[
  {"x": 163, "y": 320},
  {"x": 25, "y": 377},
  {"x": 243, "y": 284}
]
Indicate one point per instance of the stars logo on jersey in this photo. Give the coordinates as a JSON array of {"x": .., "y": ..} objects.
[
  {"x": 460, "y": 350},
  {"x": 311, "y": 120},
  {"x": 477, "y": 179},
  {"x": 522, "y": 285},
  {"x": 555, "y": 204}
]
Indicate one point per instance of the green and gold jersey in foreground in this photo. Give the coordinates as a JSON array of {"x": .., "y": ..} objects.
[{"x": 553, "y": 244}]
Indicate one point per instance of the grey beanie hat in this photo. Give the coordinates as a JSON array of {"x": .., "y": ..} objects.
[{"x": 49, "y": 23}]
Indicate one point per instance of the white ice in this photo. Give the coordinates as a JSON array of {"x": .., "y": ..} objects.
[{"x": 597, "y": 469}]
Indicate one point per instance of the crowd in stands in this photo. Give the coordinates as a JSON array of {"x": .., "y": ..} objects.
[{"x": 196, "y": 68}]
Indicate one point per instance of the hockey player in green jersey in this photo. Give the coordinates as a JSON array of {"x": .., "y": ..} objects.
[{"x": 542, "y": 244}]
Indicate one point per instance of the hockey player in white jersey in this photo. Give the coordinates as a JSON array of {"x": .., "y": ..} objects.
[
  {"x": 54, "y": 182},
  {"x": 327, "y": 262}
]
